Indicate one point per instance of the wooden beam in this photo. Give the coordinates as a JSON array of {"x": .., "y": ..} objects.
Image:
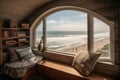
[
  {"x": 44, "y": 34},
  {"x": 90, "y": 34}
]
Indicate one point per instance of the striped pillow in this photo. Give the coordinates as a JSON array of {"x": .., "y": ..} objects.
[
  {"x": 85, "y": 64},
  {"x": 25, "y": 53}
]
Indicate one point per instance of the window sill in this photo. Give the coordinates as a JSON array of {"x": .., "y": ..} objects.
[
  {"x": 102, "y": 60},
  {"x": 61, "y": 53},
  {"x": 101, "y": 67},
  {"x": 106, "y": 62}
]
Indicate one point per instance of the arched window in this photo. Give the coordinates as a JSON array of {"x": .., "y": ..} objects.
[{"x": 73, "y": 32}]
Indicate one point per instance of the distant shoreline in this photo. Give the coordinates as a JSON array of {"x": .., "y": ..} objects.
[{"x": 82, "y": 48}]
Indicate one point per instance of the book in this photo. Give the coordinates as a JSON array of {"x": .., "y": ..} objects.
[
  {"x": 6, "y": 34},
  {"x": 12, "y": 42},
  {"x": 22, "y": 34},
  {"x": 25, "y": 25},
  {"x": 7, "y": 23}
]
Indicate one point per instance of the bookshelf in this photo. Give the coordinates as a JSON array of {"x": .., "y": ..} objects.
[{"x": 12, "y": 35}]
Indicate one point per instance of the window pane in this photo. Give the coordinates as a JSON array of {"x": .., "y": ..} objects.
[
  {"x": 67, "y": 31},
  {"x": 101, "y": 38},
  {"x": 39, "y": 32}
]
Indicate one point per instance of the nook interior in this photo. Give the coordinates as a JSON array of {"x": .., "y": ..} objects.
[{"x": 60, "y": 31}]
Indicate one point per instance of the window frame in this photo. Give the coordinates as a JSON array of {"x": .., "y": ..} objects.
[
  {"x": 111, "y": 24},
  {"x": 110, "y": 59}
]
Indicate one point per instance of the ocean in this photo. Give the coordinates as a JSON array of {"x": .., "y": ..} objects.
[{"x": 64, "y": 39}]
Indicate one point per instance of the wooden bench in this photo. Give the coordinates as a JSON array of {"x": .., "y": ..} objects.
[{"x": 58, "y": 71}]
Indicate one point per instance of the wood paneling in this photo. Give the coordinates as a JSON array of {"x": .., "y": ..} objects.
[
  {"x": 103, "y": 9},
  {"x": 107, "y": 69},
  {"x": 0, "y": 41},
  {"x": 30, "y": 72},
  {"x": 19, "y": 8}
]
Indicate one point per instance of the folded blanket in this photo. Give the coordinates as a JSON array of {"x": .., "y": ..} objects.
[{"x": 18, "y": 69}]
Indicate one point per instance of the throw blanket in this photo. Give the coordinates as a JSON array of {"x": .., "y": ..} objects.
[{"x": 18, "y": 69}]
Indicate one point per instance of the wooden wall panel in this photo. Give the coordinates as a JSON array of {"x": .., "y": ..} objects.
[
  {"x": 0, "y": 41},
  {"x": 19, "y": 8}
]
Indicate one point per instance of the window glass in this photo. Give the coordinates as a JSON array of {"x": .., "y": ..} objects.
[
  {"x": 39, "y": 34},
  {"x": 101, "y": 38},
  {"x": 67, "y": 31}
]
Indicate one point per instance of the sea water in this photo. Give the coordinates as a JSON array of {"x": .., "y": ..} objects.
[{"x": 64, "y": 39}]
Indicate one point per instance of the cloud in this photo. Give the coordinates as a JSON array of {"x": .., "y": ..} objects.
[
  {"x": 72, "y": 21},
  {"x": 74, "y": 26},
  {"x": 51, "y": 21},
  {"x": 81, "y": 16},
  {"x": 55, "y": 21},
  {"x": 100, "y": 25}
]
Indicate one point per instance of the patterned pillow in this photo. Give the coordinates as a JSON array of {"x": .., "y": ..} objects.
[
  {"x": 85, "y": 64},
  {"x": 25, "y": 53},
  {"x": 25, "y": 64}
]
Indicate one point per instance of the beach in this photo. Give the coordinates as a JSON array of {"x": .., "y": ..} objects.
[
  {"x": 83, "y": 48},
  {"x": 74, "y": 42}
]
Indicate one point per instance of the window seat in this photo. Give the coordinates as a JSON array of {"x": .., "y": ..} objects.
[{"x": 59, "y": 71}]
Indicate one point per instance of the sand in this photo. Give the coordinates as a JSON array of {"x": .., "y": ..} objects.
[{"x": 83, "y": 48}]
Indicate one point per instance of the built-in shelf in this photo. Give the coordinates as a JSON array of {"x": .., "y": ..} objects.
[
  {"x": 15, "y": 28},
  {"x": 13, "y": 35},
  {"x": 9, "y": 38}
]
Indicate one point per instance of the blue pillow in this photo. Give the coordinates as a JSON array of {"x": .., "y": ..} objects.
[{"x": 25, "y": 53}]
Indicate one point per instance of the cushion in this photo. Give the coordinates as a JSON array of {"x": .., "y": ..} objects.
[
  {"x": 12, "y": 54},
  {"x": 25, "y": 64},
  {"x": 85, "y": 64},
  {"x": 25, "y": 53},
  {"x": 36, "y": 52}
]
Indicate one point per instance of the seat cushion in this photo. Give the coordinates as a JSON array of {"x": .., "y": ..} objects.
[
  {"x": 25, "y": 64},
  {"x": 25, "y": 53},
  {"x": 85, "y": 64}
]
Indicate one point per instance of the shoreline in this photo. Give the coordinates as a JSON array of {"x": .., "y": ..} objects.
[{"x": 75, "y": 49}]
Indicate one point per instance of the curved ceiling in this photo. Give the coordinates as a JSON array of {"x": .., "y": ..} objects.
[
  {"x": 19, "y": 8},
  {"x": 22, "y": 9}
]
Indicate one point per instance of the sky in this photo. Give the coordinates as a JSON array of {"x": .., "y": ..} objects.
[{"x": 69, "y": 20}]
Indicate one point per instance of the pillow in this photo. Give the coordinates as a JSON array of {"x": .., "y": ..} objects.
[
  {"x": 25, "y": 53},
  {"x": 12, "y": 54},
  {"x": 36, "y": 52},
  {"x": 25, "y": 64},
  {"x": 85, "y": 64}
]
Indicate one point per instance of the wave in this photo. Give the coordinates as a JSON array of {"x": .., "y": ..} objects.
[{"x": 61, "y": 41}]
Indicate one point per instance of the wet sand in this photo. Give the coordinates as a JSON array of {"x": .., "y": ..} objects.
[{"x": 83, "y": 48}]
